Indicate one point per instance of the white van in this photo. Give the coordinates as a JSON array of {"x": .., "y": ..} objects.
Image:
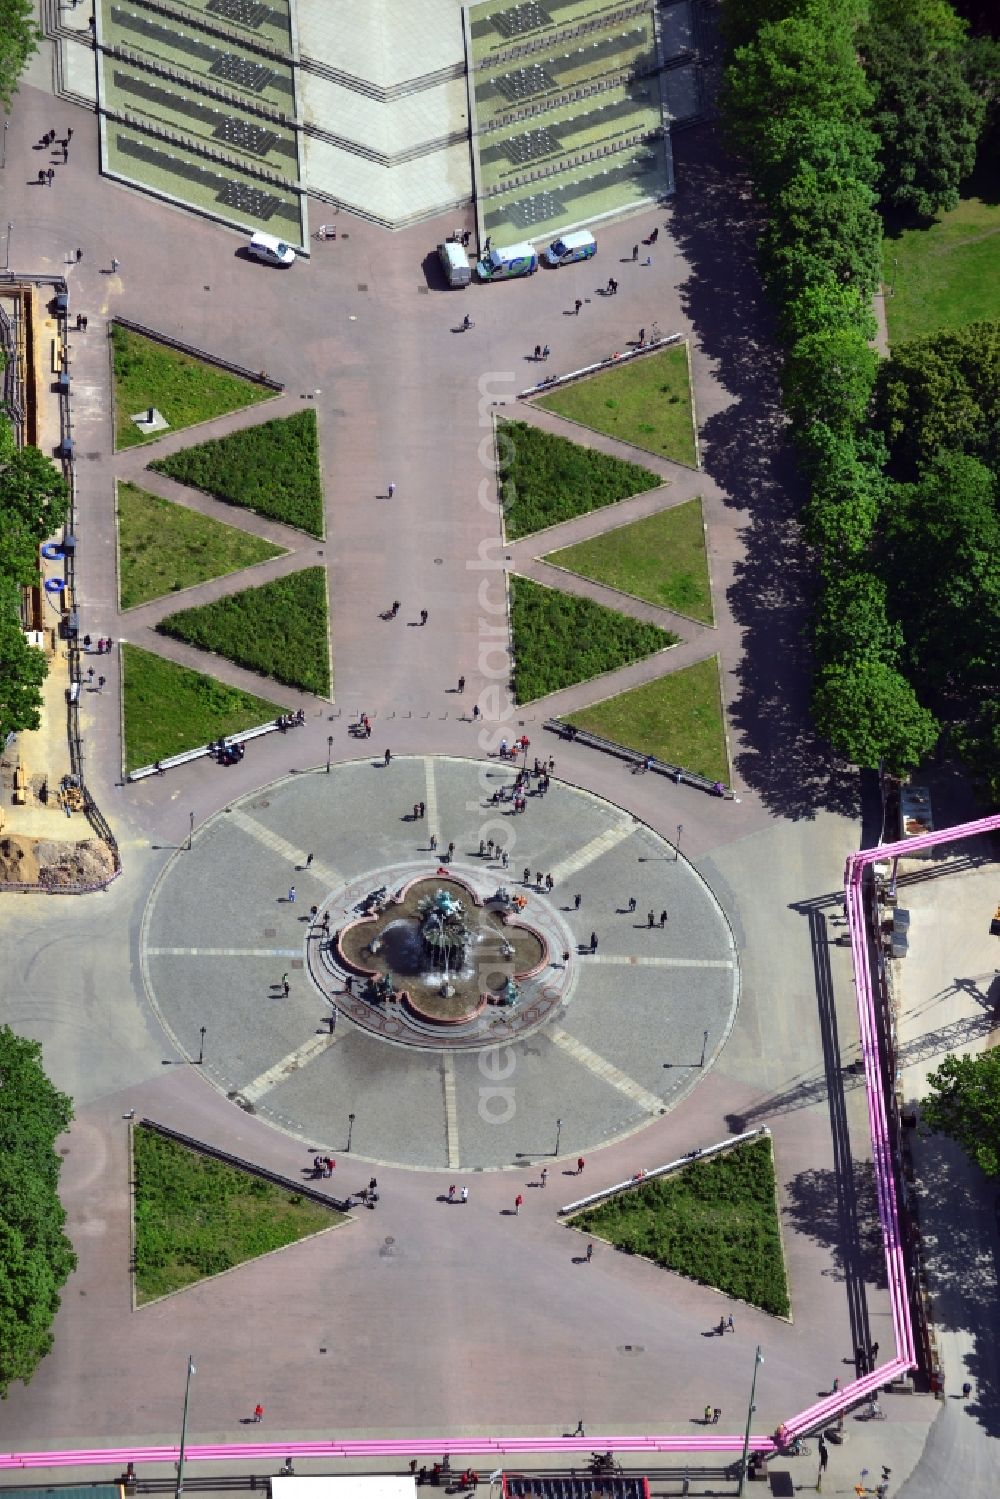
[
  {"x": 509, "y": 260},
  {"x": 455, "y": 263},
  {"x": 271, "y": 250},
  {"x": 580, "y": 245}
]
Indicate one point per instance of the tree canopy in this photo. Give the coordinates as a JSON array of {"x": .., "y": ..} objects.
[
  {"x": 964, "y": 1103},
  {"x": 942, "y": 391},
  {"x": 18, "y": 39},
  {"x": 870, "y": 713},
  {"x": 36, "y": 1257}
]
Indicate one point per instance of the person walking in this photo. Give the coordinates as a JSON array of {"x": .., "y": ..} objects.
[
  {"x": 730, "y": 1324},
  {"x": 590, "y": 1253},
  {"x": 872, "y": 1355},
  {"x": 577, "y": 902},
  {"x": 291, "y": 895},
  {"x": 546, "y": 351},
  {"x": 663, "y": 920},
  {"x": 258, "y": 1413},
  {"x": 635, "y": 252},
  {"x": 423, "y": 616},
  {"x": 49, "y": 175},
  {"x": 642, "y": 337},
  {"x": 631, "y": 903},
  {"x": 577, "y": 305},
  {"x": 650, "y": 920},
  {"x": 433, "y": 842},
  {"x": 286, "y": 988},
  {"x": 654, "y": 236},
  {"x": 545, "y": 1175},
  {"x": 593, "y": 942},
  {"x": 580, "y": 1163},
  {"x": 538, "y": 351},
  {"x": 388, "y": 756},
  {"x": 517, "y": 1203},
  {"x": 465, "y": 1194},
  {"x": 824, "y": 1454},
  {"x": 707, "y": 1418},
  {"x": 461, "y": 684},
  {"x": 100, "y": 683},
  {"x": 392, "y": 489},
  {"x": 79, "y": 255},
  {"x": 309, "y": 859},
  {"x": 716, "y": 1413},
  {"x": 115, "y": 263}
]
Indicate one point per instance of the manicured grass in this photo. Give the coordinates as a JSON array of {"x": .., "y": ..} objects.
[
  {"x": 646, "y": 402},
  {"x": 195, "y": 1216},
  {"x": 560, "y": 640},
  {"x": 184, "y": 389},
  {"x": 661, "y": 559},
  {"x": 947, "y": 275},
  {"x": 169, "y": 709},
  {"x": 280, "y": 629},
  {"x": 163, "y": 547},
  {"x": 546, "y": 479},
  {"x": 716, "y": 1222},
  {"x": 272, "y": 468},
  {"x": 677, "y": 719}
]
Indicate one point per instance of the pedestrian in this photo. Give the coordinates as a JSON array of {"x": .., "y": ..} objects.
[
  {"x": 631, "y": 902},
  {"x": 824, "y": 1455},
  {"x": 309, "y": 859},
  {"x": 476, "y": 712},
  {"x": 642, "y": 336},
  {"x": 716, "y": 1413},
  {"x": 538, "y": 351},
  {"x": 593, "y": 941},
  {"x": 79, "y": 255},
  {"x": 550, "y": 883},
  {"x": 461, "y": 684},
  {"x": 100, "y": 683},
  {"x": 580, "y": 1163},
  {"x": 873, "y": 1355},
  {"x": 313, "y": 913},
  {"x": 258, "y": 1413},
  {"x": 41, "y": 176},
  {"x": 433, "y": 842},
  {"x": 708, "y": 1415},
  {"x": 50, "y": 174},
  {"x": 545, "y": 1175},
  {"x": 285, "y": 988},
  {"x": 517, "y": 1203},
  {"x": 526, "y": 876},
  {"x": 465, "y": 1194},
  {"x": 330, "y": 1165},
  {"x": 372, "y": 1184},
  {"x": 611, "y": 286},
  {"x": 577, "y": 902},
  {"x": 451, "y": 1192},
  {"x": 392, "y": 490},
  {"x": 451, "y": 851},
  {"x": 115, "y": 263},
  {"x": 90, "y": 675},
  {"x": 578, "y": 304},
  {"x": 663, "y": 920},
  {"x": 69, "y": 134},
  {"x": 388, "y": 756},
  {"x": 546, "y": 351},
  {"x": 590, "y": 1253},
  {"x": 730, "y": 1324},
  {"x": 651, "y": 920},
  {"x": 635, "y": 252},
  {"x": 579, "y": 1432},
  {"x": 84, "y": 320},
  {"x": 836, "y": 1385},
  {"x": 423, "y": 616},
  {"x": 326, "y": 923},
  {"x": 614, "y": 288},
  {"x": 291, "y": 895},
  {"x": 505, "y": 859}
]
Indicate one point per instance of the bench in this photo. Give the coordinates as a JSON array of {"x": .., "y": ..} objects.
[{"x": 20, "y": 786}]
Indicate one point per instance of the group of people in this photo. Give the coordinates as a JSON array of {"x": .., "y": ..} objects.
[
  {"x": 324, "y": 1165},
  {"x": 294, "y": 720},
  {"x": 103, "y": 645}
]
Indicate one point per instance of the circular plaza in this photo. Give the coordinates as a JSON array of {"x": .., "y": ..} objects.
[{"x": 354, "y": 961}]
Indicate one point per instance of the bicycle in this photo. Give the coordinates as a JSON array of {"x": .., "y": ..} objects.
[{"x": 465, "y": 325}]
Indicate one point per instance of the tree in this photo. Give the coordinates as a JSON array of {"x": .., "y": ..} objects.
[
  {"x": 32, "y": 491},
  {"x": 942, "y": 542},
  {"x": 833, "y": 213},
  {"x": 852, "y": 620},
  {"x": 19, "y": 37},
  {"x": 829, "y": 378},
  {"x": 827, "y": 307},
  {"x": 926, "y": 115},
  {"x": 36, "y": 1257},
  {"x": 869, "y": 712},
  {"x": 941, "y": 392},
  {"x": 23, "y": 669},
  {"x": 977, "y": 739},
  {"x": 964, "y": 1104}
]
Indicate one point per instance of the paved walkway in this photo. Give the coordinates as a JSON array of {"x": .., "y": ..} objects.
[{"x": 503, "y": 1332}]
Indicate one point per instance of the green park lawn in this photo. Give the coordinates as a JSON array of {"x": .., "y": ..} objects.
[
  {"x": 660, "y": 559},
  {"x": 944, "y": 276},
  {"x": 183, "y": 388},
  {"x": 272, "y": 468},
  {"x": 163, "y": 547},
  {"x": 279, "y": 629},
  {"x": 169, "y": 709},
  {"x": 646, "y": 402},
  {"x": 677, "y": 719},
  {"x": 560, "y": 639},
  {"x": 716, "y": 1221},
  {"x": 547, "y": 479},
  {"x": 195, "y": 1216}
]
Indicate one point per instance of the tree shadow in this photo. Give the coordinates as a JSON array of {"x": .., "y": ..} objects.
[
  {"x": 715, "y": 224},
  {"x": 815, "y": 1207}
]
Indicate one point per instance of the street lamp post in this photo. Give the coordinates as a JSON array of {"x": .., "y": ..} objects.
[
  {"x": 201, "y": 1053},
  {"x": 758, "y": 1359},
  {"x": 190, "y": 830},
  {"x": 6, "y": 255},
  {"x": 329, "y": 751},
  {"x": 3, "y": 163},
  {"x": 677, "y": 842},
  {"x": 558, "y": 1134},
  {"x": 704, "y": 1048},
  {"x": 350, "y": 1128},
  {"x": 179, "y": 1490}
]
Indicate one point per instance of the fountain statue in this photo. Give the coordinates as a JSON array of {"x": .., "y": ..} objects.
[{"x": 445, "y": 934}]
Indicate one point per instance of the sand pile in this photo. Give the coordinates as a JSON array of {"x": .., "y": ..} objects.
[{"x": 54, "y": 863}]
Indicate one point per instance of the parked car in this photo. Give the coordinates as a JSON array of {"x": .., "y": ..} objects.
[
  {"x": 580, "y": 245},
  {"x": 271, "y": 250}
]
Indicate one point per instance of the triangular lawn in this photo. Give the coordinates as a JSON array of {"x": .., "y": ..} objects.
[
  {"x": 169, "y": 709},
  {"x": 195, "y": 1216},
  {"x": 560, "y": 639},
  {"x": 660, "y": 559},
  {"x": 182, "y": 387},
  {"x": 646, "y": 402},
  {"x": 280, "y": 629},
  {"x": 677, "y": 719},
  {"x": 163, "y": 547},
  {"x": 272, "y": 468},
  {"x": 715, "y": 1221},
  {"x": 546, "y": 479}
]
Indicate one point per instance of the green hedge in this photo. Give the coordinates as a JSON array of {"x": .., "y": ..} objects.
[
  {"x": 560, "y": 639},
  {"x": 546, "y": 479},
  {"x": 272, "y": 468}
]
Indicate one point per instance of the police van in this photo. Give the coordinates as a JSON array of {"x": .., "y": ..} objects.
[{"x": 580, "y": 245}]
